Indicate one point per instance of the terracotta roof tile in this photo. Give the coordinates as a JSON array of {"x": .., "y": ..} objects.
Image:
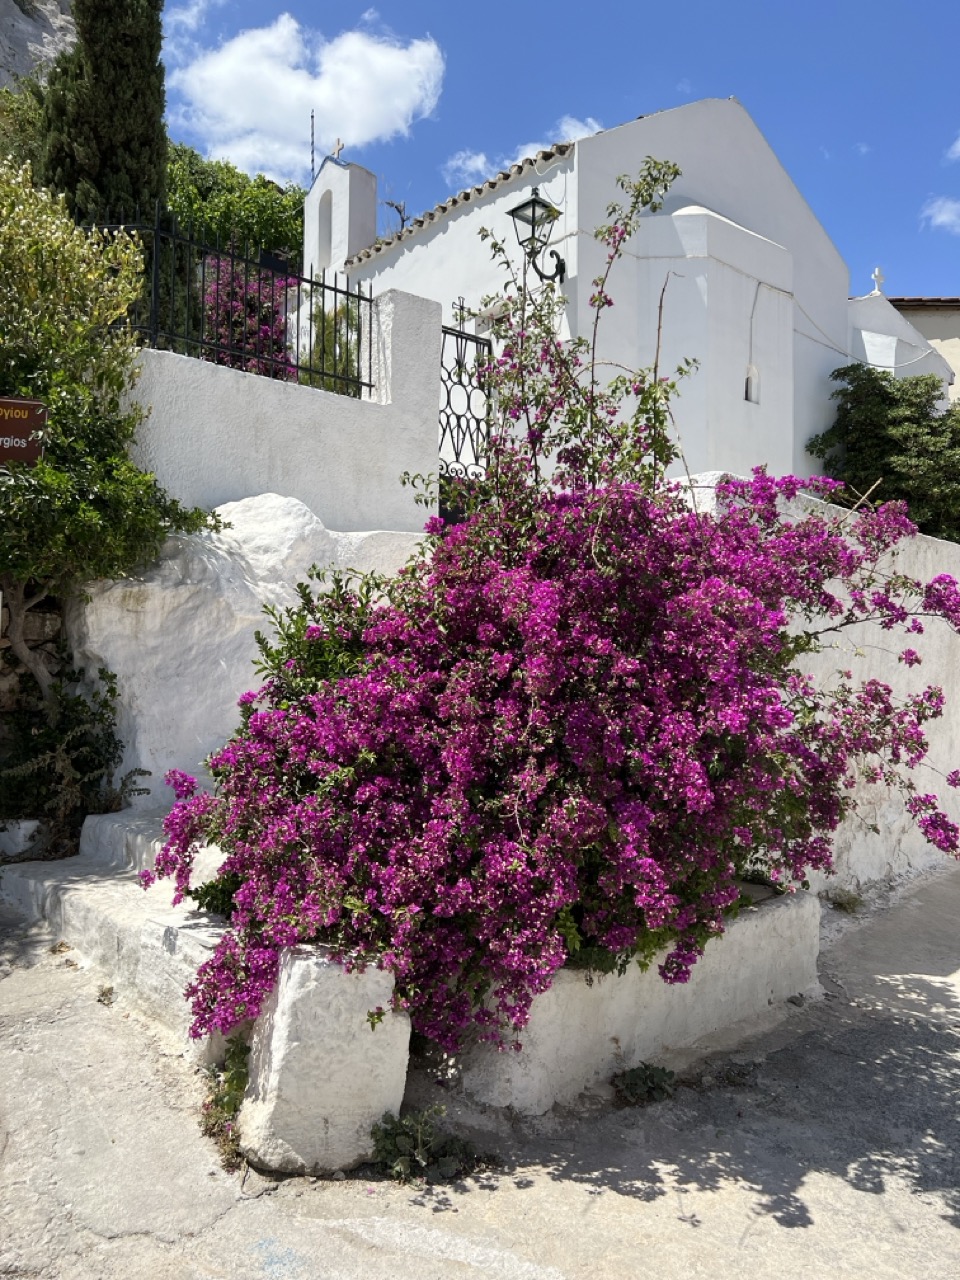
[
  {"x": 462, "y": 197},
  {"x": 924, "y": 302}
]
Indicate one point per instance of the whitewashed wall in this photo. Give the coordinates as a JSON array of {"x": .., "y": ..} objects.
[
  {"x": 728, "y": 166},
  {"x": 882, "y": 336},
  {"x": 180, "y": 637},
  {"x": 861, "y": 855},
  {"x": 447, "y": 258},
  {"x": 726, "y": 303},
  {"x": 217, "y": 435}
]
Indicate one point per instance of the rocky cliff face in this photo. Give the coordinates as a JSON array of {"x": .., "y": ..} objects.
[{"x": 32, "y": 33}]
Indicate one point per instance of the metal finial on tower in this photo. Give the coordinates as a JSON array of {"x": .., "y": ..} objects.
[{"x": 313, "y": 149}]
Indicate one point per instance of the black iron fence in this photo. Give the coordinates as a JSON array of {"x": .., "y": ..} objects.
[
  {"x": 235, "y": 305},
  {"x": 464, "y": 404}
]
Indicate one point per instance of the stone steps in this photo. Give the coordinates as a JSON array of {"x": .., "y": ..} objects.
[
  {"x": 319, "y": 1079},
  {"x": 146, "y": 948}
]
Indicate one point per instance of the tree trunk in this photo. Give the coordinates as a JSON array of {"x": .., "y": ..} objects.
[{"x": 19, "y": 605}]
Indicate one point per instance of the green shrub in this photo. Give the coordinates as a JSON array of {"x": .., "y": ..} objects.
[
  {"x": 893, "y": 433},
  {"x": 84, "y": 511},
  {"x": 59, "y": 768}
]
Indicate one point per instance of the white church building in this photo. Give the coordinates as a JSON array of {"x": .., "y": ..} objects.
[{"x": 756, "y": 291}]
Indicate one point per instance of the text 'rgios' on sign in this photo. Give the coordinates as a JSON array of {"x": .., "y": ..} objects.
[{"x": 22, "y": 424}]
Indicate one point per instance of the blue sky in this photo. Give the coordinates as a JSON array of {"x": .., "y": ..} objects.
[{"x": 860, "y": 100}]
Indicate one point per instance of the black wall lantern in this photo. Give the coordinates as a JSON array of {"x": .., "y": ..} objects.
[{"x": 534, "y": 220}]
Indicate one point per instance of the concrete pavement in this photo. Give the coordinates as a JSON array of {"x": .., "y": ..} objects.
[{"x": 826, "y": 1144}]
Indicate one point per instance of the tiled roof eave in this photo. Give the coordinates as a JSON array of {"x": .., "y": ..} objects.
[
  {"x": 919, "y": 303},
  {"x": 462, "y": 197}
]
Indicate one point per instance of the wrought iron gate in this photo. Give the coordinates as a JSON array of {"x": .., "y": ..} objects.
[{"x": 464, "y": 404}]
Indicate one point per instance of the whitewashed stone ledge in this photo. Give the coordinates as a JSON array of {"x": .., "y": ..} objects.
[
  {"x": 320, "y": 1078},
  {"x": 585, "y": 1029}
]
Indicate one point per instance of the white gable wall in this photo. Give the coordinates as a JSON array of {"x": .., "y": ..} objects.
[
  {"x": 761, "y": 253},
  {"x": 728, "y": 166}
]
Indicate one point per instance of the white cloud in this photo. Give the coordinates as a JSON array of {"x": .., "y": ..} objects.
[
  {"x": 567, "y": 129},
  {"x": 250, "y": 99},
  {"x": 466, "y": 168},
  {"x": 943, "y": 213},
  {"x": 180, "y": 25},
  {"x": 863, "y": 148},
  {"x": 189, "y": 16},
  {"x": 953, "y": 152},
  {"x": 684, "y": 86}
]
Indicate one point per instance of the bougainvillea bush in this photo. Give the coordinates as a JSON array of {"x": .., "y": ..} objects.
[
  {"x": 245, "y": 317},
  {"x": 564, "y": 731}
]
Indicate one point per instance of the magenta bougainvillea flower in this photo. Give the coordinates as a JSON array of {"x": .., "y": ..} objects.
[
  {"x": 245, "y": 314},
  {"x": 569, "y": 726}
]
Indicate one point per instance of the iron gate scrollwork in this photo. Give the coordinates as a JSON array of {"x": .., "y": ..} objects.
[{"x": 464, "y": 404}]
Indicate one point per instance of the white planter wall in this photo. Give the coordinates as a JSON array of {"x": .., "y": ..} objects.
[{"x": 586, "y": 1028}]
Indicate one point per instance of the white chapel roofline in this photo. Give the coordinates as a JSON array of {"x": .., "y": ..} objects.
[{"x": 557, "y": 151}]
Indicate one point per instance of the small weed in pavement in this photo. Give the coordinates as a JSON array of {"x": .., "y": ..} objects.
[
  {"x": 219, "y": 1114},
  {"x": 412, "y": 1147},
  {"x": 644, "y": 1083},
  {"x": 844, "y": 900}
]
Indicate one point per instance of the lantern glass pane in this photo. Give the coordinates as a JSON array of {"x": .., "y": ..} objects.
[{"x": 533, "y": 220}]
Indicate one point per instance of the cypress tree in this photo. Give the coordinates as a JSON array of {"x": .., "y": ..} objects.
[{"x": 105, "y": 147}]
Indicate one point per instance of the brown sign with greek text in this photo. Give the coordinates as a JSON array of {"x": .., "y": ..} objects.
[{"x": 20, "y": 420}]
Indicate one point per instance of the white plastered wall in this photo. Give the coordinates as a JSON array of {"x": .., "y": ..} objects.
[
  {"x": 861, "y": 855},
  {"x": 728, "y": 166},
  {"x": 882, "y": 336},
  {"x": 217, "y": 435},
  {"x": 727, "y": 303},
  {"x": 447, "y": 258}
]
